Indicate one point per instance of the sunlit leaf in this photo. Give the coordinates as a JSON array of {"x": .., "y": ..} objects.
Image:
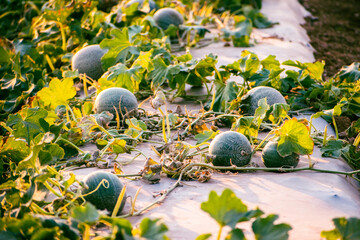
[
  {"x": 205, "y": 136},
  {"x": 162, "y": 72},
  {"x": 345, "y": 228},
  {"x": 247, "y": 126},
  {"x": 294, "y": 137},
  {"x": 123, "y": 77},
  {"x": 227, "y": 209},
  {"x": 350, "y": 73},
  {"x": 58, "y": 92},
  {"x": 118, "y": 146},
  {"x": 119, "y": 47}
]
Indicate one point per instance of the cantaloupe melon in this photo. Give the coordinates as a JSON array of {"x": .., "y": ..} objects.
[
  {"x": 106, "y": 196},
  {"x": 230, "y": 148},
  {"x": 88, "y": 61},
  {"x": 254, "y": 95},
  {"x": 271, "y": 157},
  {"x": 106, "y": 5},
  {"x": 166, "y": 16},
  {"x": 120, "y": 98}
]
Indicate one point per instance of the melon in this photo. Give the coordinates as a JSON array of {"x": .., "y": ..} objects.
[
  {"x": 106, "y": 5},
  {"x": 230, "y": 148},
  {"x": 106, "y": 196},
  {"x": 120, "y": 98},
  {"x": 88, "y": 61},
  {"x": 254, "y": 95},
  {"x": 152, "y": 4},
  {"x": 272, "y": 159},
  {"x": 168, "y": 16}
]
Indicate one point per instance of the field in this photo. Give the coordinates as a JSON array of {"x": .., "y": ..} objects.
[{"x": 179, "y": 119}]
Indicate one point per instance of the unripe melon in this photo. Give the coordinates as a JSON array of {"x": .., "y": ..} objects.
[
  {"x": 106, "y": 5},
  {"x": 106, "y": 196},
  {"x": 229, "y": 148},
  {"x": 254, "y": 95},
  {"x": 152, "y": 4},
  {"x": 119, "y": 98},
  {"x": 271, "y": 157},
  {"x": 88, "y": 61},
  {"x": 167, "y": 16}
]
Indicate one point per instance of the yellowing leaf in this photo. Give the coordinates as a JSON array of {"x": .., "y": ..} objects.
[
  {"x": 58, "y": 92},
  {"x": 294, "y": 138},
  {"x": 118, "y": 146}
]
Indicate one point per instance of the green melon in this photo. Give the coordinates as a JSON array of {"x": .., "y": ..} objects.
[
  {"x": 115, "y": 97},
  {"x": 230, "y": 147},
  {"x": 106, "y": 196},
  {"x": 254, "y": 95},
  {"x": 88, "y": 61},
  {"x": 271, "y": 157},
  {"x": 106, "y": 5},
  {"x": 167, "y": 16},
  {"x": 152, "y": 4}
]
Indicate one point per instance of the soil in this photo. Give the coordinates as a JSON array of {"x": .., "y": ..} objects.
[{"x": 334, "y": 30}]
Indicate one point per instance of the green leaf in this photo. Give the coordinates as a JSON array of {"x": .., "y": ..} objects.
[
  {"x": 185, "y": 57},
  {"x": 271, "y": 63},
  {"x": 13, "y": 150},
  {"x": 85, "y": 214},
  {"x": 121, "y": 227},
  {"x": 28, "y": 123},
  {"x": 135, "y": 127},
  {"x": 241, "y": 34},
  {"x": 224, "y": 93},
  {"x": 246, "y": 125},
  {"x": 152, "y": 229},
  {"x": 227, "y": 209},
  {"x": 205, "y": 136},
  {"x": 345, "y": 229},
  {"x": 119, "y": 47},
  {"x": 4, "y": 56},
  {"x": 118, "y": 146},
  {"x": 235, "y": 234},
  {"x": 334, "y": 148},
  {"x": 50, "y": 154},
  {"x": 265, "y": 229},
  {"x": 58, "y": 92},
  {"x": 263, "y": 107},
  {"x": 45, "y": 234},
  {"x": 123, "y": 77},
  {"x": 350, "y": 73},
  {"x": 7, "y": 185},
  {"x": 279, "y": 111},
  {"x": 162, "y": 72},
  {"x": 203, "y": 236},
  {"x": 294, "y": 137}
]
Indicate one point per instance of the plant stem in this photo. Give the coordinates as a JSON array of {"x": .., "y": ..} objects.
[
  {"x": 335, "y": 126},
  {"x": 70, "y": 143},
  {"x": 63, "y": 36},
  {"x": 250, "y": 169},
  {"x": 219, "y": 233},
  {"x": 129, "y": 175},
  {"x": 72, "y": 113},
  {"x": 262, "y": 142}
]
